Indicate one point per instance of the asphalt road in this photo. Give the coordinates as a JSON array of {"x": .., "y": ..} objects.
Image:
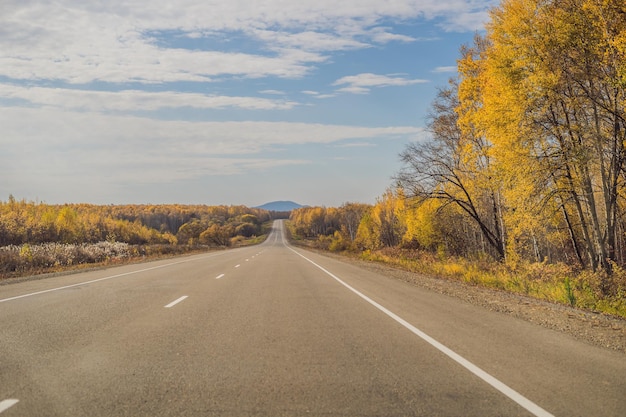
[{"x": 273, "y": 330}]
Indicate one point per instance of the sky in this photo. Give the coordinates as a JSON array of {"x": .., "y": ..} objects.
[{"x": 219, "y": 101}]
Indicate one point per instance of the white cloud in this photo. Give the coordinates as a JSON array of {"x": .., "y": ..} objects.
[
  {"x": 134, "y": 100},
  {"x": 362, "y": 83},
  {"x": 471, "y": 20},
  {"x": 67, "y": 144},
  {"x": 145, "y": 63},
  {"x": 317, "y": 94},
  {"x": 354, "y": 90},
  {"x": 273, "y": 92},
  {"x": 381, "y": 35},
  {"x": 122, "y": 40},
  {"x": 355, "y": 145},
  {"x": 439, "y": 70},
  {"x": 308, "y": 40}
]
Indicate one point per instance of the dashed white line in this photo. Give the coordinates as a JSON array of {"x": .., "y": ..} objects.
[
  {"x": 220, "y": 276},
  {"x": 178, "y": 300},
  {"x": 6, "y": 404},
  {"x": 494, "y": 382},
  {"x": 17, "y": 297},
  {"x": 237, "y": 266}
]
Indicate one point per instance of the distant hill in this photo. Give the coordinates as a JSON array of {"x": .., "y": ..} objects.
[{"x": 280, "y": 206}]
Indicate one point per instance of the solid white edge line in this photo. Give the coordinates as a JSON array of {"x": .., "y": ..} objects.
[
  {"x": 6, "y": 404},
  {"x": 104, "y": 278},
  {"x": 494, "y": 382},
  {"x": 178, "y": 300}
]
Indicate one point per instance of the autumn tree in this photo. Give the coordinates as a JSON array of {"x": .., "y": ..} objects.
[
  {"x": 29, "y": 222},
  {"x": 190, "y": 232},
  {"x": 455, "y": 166},
  {"x": 217, "y": 235},
  {"x": 351, "y": 215},
  {"x": 314, "y": 221},
  {"x": 384, "y": 224},
  {"x": 246, "y": 230},
  {"x": 560, "y": 66}
]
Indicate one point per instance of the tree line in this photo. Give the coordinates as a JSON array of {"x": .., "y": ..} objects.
[
  {"x": 526, "y": 158},
  {"x": 26, "y": 222},
  {"x": 528, "y": 141}
]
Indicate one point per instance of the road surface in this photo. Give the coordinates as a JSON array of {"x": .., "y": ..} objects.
[{"x": 274, "y": 330}]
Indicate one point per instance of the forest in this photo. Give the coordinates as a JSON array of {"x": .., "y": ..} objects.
[
  {"x": 522, "y": 181},
  {"x": 38, "y": 237}
]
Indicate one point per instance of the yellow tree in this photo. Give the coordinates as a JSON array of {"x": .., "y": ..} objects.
[
  {"x": 421, "y": 225},
  {"x": 351, "y": 215},
  {"x": 385, "y": 224},
  {"x": 490, "y": 111},
  {"x": 555, "y": 70},
  {"x": 366, "y": 236},
  {"x": 456, "y": 166},
  {"x": 68, "y": 226}
]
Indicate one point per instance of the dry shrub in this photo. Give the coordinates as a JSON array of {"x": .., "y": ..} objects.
[{"x": 20, "y": 259}]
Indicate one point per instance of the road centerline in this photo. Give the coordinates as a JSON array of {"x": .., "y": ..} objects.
[
  {"x": 509, "y": 392},
  {"x": 178, "y": 300}
]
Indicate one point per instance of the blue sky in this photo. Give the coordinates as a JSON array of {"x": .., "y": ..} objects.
[{"x": 219, "y": 102}]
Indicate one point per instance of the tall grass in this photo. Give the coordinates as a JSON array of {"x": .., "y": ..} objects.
[{"x": 557, "y": 283}]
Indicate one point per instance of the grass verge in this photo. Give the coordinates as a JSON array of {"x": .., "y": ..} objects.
[{"x": 557, "y": 283}]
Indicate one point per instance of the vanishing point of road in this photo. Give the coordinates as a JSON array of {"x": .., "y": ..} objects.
[{"x": 273, "y": 330}]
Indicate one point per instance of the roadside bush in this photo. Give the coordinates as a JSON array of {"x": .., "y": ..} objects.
[{"x": 24, "y": 258}]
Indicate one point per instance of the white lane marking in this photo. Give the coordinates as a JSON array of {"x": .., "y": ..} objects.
[
  {"x": 494, "y": 382},
  {"x": 247, "y": 260},
  {"x": 105, "y": 278},
  {"x": 220, "y": 276},
  {"x": 178, "y": 300},
  {"x": 237, "y": 266},
  {"x": 6, "y": 404}
]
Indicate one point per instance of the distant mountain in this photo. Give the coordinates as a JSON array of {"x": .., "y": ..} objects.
[{"x": 280, "y": 206}]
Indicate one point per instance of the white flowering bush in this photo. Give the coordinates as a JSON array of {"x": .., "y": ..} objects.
[{"x": 19, "y": 258}]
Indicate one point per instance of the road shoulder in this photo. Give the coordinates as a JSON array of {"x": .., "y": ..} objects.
[{"x": 594, "y": 328}]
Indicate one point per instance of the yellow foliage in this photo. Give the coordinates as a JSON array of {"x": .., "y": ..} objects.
[{"x": 420, "y": 224}]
